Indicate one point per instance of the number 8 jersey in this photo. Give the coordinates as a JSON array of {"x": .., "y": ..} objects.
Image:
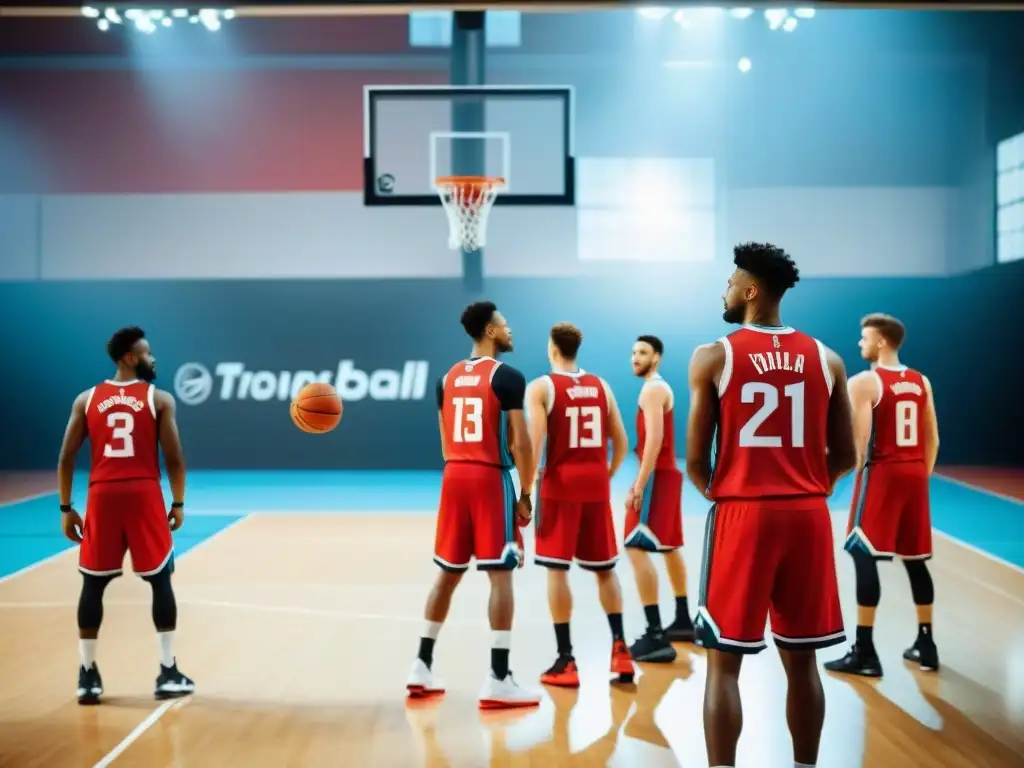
[
  {"x": 473, "y": 398},
  {"x": 121, "y": 421},
  {"x": 774, "y": 395},
  {"x": 896, "y": 427}
]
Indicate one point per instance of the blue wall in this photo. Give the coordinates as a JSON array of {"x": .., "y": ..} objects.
[{"x": 962, "y": 331}]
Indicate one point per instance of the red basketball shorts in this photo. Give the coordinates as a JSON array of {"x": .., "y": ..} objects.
[
  {"x": 769, "y": 559},
  {"x": 890, "y": 515},
  {"x": 477, "y": 519},
  {"x": 126, "y": 516},
  {"x": 658, "y": 527},
  {"x": 575, "y": 530}
]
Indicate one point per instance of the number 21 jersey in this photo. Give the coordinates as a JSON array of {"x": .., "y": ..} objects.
[
  {"x": 773, "y": 416},
  {"x": 121, "y": 422}
]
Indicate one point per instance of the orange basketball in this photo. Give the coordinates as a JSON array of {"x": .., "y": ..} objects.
[{"x": 317, "y": 408}]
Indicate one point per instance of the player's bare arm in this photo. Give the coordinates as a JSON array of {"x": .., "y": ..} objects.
[
  {"x": 74, "y": 436},
  {"x": 174, "y": 456},
  {"x": 537, "y": 414},
  {"x": 706, "y": 366},
  {"x": 653, "y": 401},
  {"x": 616, "y": 431},
  {"x": 842, "y": 451},
  {"x": 522, "y": 451},
  {"x": 863, "y": 389},
  {"x": 931, "y": 429},
  {"x": 513, "y": 400}
]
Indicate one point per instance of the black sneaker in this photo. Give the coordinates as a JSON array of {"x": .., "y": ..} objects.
[
  {"x": 857, "y": 662},
  {"x": 924, "y": 654},
  {"x": 90, "y": 685},
  {"x": 680, "y": 630},
  {"x": 653, "y": 648},
  {"x": 563, "y": 673},
  {"x": 171, "y": 684}
]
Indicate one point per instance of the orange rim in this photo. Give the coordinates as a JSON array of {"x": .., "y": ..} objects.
[{"x": 473, "y": 182}]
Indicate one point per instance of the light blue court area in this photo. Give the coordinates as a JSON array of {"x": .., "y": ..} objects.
[{"x": 30, "y": 530}]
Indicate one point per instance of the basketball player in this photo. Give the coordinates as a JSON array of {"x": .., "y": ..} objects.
[
  {"x": 576, "y": 413},
  {"x": 784, "y": 436},
  {"x": 125, "y": 419},
  {"x": 654, "y": 508},
  {"x": 480, "y": 415},
  {"x": 897, "y": 438}
]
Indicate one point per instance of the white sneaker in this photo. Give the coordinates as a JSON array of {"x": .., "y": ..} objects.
[
  {"x": 505, "y": 694},
  {"x": 422, "y": 681}
]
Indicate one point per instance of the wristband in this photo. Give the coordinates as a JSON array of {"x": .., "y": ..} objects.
[
  {"x": 178, "y": 505},
  {"x": 65, "y": 507}
]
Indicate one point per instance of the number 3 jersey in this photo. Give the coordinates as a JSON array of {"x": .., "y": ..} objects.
[
  {"x": 120, "y": 417},
  {"x": 474, "y": 398},
  {"x": 773, "y": 416},
  {"x": 896, "y": 424}
]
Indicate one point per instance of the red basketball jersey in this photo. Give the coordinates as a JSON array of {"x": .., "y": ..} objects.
[
  {"x": 475, "y": 427},
  {"x": 773, "y": 416},
  {"x": 121, "y": 422},
  {"x": 897, "y": 428},
  {"x": 576, "y": 461},
  {"x": 667, "y": 454}
]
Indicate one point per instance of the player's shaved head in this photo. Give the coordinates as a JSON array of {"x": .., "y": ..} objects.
[
  {"x": 123, "y": 341},
  {"x": 476, "y": 317},
  {"x": 888, "y": 327},
  {"x": 567, "y": 339}
]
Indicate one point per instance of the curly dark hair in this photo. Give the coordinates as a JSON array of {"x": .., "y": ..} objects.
[
  {"x": 770, "y": 265},
  {"x": 122, "y": 341},
  {"x": 476, "y": 317}
]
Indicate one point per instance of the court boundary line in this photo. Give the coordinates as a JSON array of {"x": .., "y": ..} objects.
[
  {"x": 26, "y": 499},
  {"x": 153, "y": 717},
  {"x": 971, "y": 547},
  {"x": 979, "y": 489},
  {"x": 139, "y": 729},
  {"x": 960, "y": 542},
  {"x": 38, "y": 563},
  {"x": 979, "y": 551}
]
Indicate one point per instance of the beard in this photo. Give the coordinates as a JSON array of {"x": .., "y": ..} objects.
[
  {"x": 734, "y": 315},
  {"x": 503, "y": 346},
  {"x": 145, "y": 372},
  {"x": 643, "y": 370}
]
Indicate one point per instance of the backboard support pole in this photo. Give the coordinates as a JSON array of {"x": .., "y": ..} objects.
[{"x": 468, "y": 68}]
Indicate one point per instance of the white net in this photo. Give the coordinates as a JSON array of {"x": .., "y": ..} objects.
[{"x": 468, "y": 201}]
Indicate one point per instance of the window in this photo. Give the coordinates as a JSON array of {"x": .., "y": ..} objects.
[
  {"x": 645, "y": 209},
  {"x": 433, "y": 29},
  {"x": 1010, "y": 199}
]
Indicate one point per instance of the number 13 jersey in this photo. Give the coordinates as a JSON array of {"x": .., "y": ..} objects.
[
  {"x": 120, "y": 417},
  {"x": 773, "y": 396},
  {"x": 473, "y": 398}
]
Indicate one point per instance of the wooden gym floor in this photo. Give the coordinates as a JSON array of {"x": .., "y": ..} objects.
[{"x": 300, "y": 598}]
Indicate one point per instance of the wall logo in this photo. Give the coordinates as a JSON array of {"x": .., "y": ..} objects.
[
  {"x": 233, "y": 381},
  {"x": 193, "y": 383}
]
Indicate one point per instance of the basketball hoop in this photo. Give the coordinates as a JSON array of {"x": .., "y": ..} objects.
[{"x": 467, "y": 200}]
